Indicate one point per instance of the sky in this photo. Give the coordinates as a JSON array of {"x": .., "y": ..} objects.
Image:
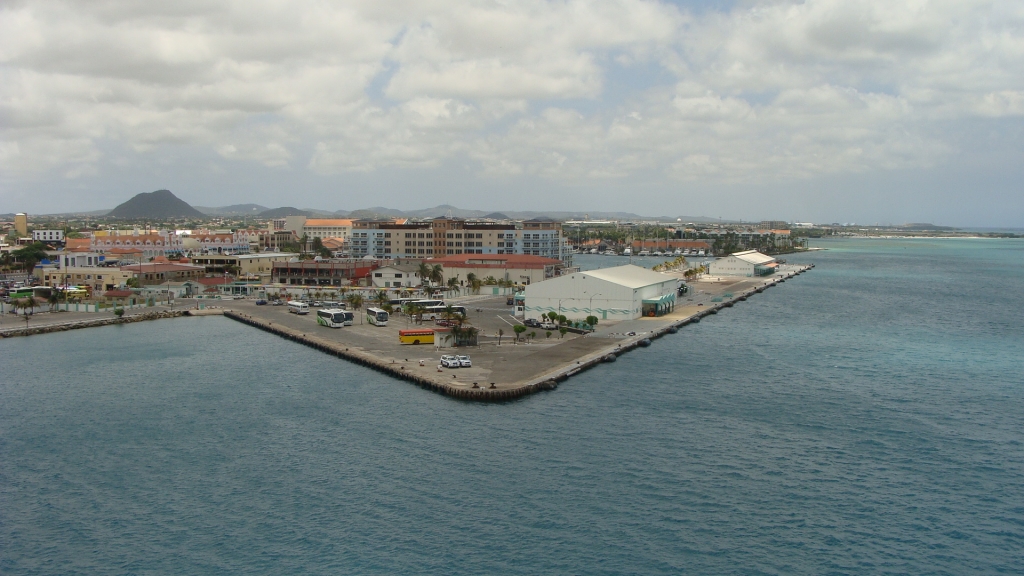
[{"x": 819, "y": 111}]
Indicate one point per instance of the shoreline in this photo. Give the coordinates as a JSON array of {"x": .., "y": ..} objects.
[
  {"x": 408, "y": 370},
  {"x": 417, "y": 372}
]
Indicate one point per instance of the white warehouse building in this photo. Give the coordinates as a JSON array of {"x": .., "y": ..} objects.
[
  {"x": 749, "y": 263},
  {"x": 620, "y": 293}
]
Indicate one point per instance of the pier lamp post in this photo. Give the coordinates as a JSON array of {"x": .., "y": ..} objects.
[
  {"x": 560, "y": 306},
  {"x": 590, "y": 307}
]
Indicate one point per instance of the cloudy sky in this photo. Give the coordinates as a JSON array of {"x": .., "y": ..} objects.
[{"x": 823, "y": 110}]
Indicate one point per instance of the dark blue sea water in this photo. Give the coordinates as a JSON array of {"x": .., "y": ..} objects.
[{"x": 866, "y": 417}]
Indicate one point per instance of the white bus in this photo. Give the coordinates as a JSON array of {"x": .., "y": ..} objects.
[
  {"x": 333, "y": 318},
  {"x": 377, "y": 317},
  {"x": 425, "y": 303},
  {"x": 298, "y": 308},
  {"x": 435, "y": 312}
]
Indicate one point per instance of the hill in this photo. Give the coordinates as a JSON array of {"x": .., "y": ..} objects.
[
  {"x": 155, "y": 205},
  {"x": 233, "y": 210},
  {"x": 284, "y": 211}
]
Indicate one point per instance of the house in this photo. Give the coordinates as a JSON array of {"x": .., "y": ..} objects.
[{"x": 397, "y": 276}]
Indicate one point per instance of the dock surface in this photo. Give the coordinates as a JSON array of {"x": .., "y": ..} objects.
[{"x": 503, "y": 369}]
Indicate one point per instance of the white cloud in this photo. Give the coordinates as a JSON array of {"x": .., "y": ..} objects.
[{"x": 766, "y": 91}]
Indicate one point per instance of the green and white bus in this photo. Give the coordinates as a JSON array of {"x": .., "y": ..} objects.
[
  {"x": 377, "y": 317},
  {"x": 333, "y": 318}
]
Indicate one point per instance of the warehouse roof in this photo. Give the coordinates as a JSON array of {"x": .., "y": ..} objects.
[
  {"x": 753, "y": 257},
  {"x": 629, "y": 275}
]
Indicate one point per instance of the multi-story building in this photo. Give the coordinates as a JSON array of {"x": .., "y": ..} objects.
[
  {"x": 332, "y": 272},
  {"x": 48, "y": 235},
  {"x": 452, "y": 236},
  {"x": 160, "y": 272},
  {"x": 160, "y": 243},
  {"x": 323, "y": 228},
  {"x": 97, "y": 278}
]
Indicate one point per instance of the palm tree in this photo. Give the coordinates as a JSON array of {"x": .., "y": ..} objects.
[
  {"x": 53, "y": 299},
  {"x": 501, "y": 333},
  {"x": 453, "y": 284},
  {"x": 437, "y": 274},
  {"x": 381, "y": 297},
  {"x": 24, "y": 304},
  {"x": 355, "y": 300},
  {"x": 424, "y": 272}
]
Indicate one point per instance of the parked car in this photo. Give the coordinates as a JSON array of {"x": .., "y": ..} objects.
[
  {"x": 261, "y": 302},
  {"x": 464, "y": 362},
  {"x": 510, "y": 301},
  {"x": 531, "y": 323},
  {"x": 449, "y": 361},
  {"x": 317, "y": 303},
  {"x": 278, "y": 302},
  {"x": 548, "y": 325}
]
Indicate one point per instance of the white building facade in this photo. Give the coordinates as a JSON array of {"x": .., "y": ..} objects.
[
  {"x": 48, "y": 235},
  {"x": 749, "y": 263},
  {"x": 619, "y": 293}
]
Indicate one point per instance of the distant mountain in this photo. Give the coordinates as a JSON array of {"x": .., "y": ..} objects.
[
  {"x": 284, "y": 211},
  {"x": 444, "y": 209},
  {"x": 233, "y": 210},
  {"x": 156, "y": 205}
]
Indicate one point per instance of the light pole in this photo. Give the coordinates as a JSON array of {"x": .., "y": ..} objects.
[{"x": 590, "y": 307}]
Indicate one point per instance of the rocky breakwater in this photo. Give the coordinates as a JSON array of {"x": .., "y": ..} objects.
[
  {"x": 64, "y": 326},
  {"x": 390, "y": 366}
]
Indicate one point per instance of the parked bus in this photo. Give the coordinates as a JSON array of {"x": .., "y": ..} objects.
[
  {"x": 331, "y": 317},
  {"x": 298, "y": 308},
  {"x": 435, "y": 312},
  {"x": 423, "y": 336},
  {"x": 426, "y": 303},
  {"x": 377, "y": 317}
]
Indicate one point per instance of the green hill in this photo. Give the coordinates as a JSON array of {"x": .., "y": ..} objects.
[{"x": 156, "y": 205}]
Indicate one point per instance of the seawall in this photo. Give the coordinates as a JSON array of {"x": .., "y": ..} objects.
[{"x": 548, "y": 381}]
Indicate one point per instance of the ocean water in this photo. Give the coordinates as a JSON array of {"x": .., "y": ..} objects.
[{"x": 866, "y": 417}]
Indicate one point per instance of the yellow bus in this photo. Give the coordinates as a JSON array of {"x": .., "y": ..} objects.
[{"x": 424, "y": 336}]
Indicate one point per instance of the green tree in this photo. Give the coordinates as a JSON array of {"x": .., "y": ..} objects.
[
  {"x": 533, "y": 335},
  {"x": 547, "y": 334},
  {"x": 592, "y": 320},
  {"x": 424, "y": 272},
  {"x": 30, "y": 255},
  {"x": 519, "y": 329},
  {"x": 26, "y": 305},
  {"x": 562, "y": 319},
  {"x": 437, "y": 274},
  {"x": 381, "y": 297},
  {"x": 355, "y": 300},
  {"x": 54, "y": 298},
  {"x": 562, "y": 331}
]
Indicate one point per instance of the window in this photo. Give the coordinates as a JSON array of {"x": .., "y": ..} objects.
[{"x": 378, "y": 275}]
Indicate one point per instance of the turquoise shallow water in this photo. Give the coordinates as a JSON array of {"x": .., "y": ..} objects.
[{"x": 864, "y": 417}]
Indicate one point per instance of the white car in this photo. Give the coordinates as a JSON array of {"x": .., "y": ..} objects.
[
  {"x": 548, "y": 325},
  {"x": 464, "y": 362},
  {"x": 449, "y": 361}
]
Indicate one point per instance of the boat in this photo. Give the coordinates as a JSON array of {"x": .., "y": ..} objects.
[
  {"x": 644, "y": 253},
  {"x": 627, "y": 252}
]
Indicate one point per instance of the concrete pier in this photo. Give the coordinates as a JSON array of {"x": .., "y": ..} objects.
[{"x": 557, "y": 363}]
